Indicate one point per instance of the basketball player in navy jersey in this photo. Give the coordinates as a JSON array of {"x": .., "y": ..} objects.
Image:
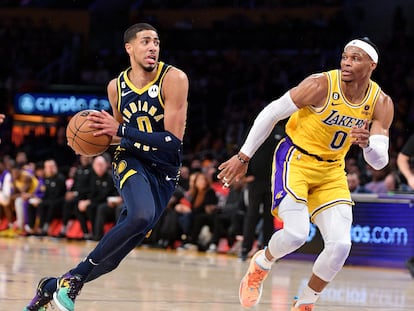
[
  {"x": 328, "y": 112},
  {"x": 149, "y": 103}
]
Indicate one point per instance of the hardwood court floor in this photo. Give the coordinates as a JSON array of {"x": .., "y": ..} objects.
[{"x": 158, "y": 280}]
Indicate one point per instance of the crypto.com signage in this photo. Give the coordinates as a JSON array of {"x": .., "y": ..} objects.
[{"x": 51, "y": 104}]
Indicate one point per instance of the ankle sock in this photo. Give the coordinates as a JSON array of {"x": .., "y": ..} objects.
[
  {"x": 308, "y": 296},
  {"x": 263, "y": 262},
  {"x": 84, "y": 268}
]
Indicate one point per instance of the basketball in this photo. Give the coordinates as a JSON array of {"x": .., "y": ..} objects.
[{"x": 80, "y": 136}]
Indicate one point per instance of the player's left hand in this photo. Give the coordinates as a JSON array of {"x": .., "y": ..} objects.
[
  {"x": 103, "y": 121},
  {"x": 360, "y": 135},
  {"x": 231, "y": 171}
]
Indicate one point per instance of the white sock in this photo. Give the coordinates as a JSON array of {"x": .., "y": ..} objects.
[
  {"x": 308, "y": 296},
  {"x": 263, "y": 262}
]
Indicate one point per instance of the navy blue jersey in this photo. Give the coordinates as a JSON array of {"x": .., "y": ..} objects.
[{"x": 144, "y": 109}]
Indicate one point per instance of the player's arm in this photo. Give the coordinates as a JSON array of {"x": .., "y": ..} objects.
[
  {"x": 375, "y": 146},
  {"x": 113, "y": 100},
  {"x": 175, "y": 91},
  {"x": 312, "y": 91}
]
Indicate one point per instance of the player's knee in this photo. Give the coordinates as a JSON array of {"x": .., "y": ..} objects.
[
  {"x": 338, "y": 252},
  {"x": 295, "y": 239},
  {"x": 140, "y": 223}
]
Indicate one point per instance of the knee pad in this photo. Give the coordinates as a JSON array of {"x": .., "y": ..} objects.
[
  {"x": 331, "y": 259},
  {"x": 338, "y": 254},
  {"x": 285, "y": 241}
]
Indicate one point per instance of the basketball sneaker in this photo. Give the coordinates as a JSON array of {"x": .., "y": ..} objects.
[
  {"x": 42, "y": 299},
  {"x": 251, "y": 285},
  {"x": 69, "y": 286},
  {"x": 302, "y": 307}
]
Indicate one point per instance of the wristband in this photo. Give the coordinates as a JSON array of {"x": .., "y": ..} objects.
[{"x": 241, "y": 159}]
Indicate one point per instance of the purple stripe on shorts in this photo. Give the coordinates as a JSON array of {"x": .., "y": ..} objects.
[{"x": 282, "y": 154}]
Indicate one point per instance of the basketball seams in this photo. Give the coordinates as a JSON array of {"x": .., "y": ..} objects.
[{"x": 82, "y": 141}]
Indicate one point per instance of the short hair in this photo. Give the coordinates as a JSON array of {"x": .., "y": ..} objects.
[
  {"x": 132, "y": 31},
  {"x": 368, "y": 40}
]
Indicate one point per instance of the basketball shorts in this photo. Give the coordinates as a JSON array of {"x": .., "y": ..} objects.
[
  {"x": 318, "y": 184},
  {"x": 125, "y": 166}
]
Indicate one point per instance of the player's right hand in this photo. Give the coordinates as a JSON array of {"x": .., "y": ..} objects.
[{"x": 231, "y": 171}]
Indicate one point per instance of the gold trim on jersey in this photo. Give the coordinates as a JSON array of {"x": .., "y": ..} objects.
[
  {"x": 160, "y": 86},
  {"x": 147, "y": 86},
  {"x": 367, "y": 93},
  {"x": 118, "y": 89}
]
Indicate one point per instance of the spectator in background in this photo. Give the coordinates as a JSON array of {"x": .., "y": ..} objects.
[
  {"x": 102, "y": 187},
  {"x": 6, "y": 189},
  {"x": 381, "y": 180},
  {"x": 36, "y": 199},
  {"x": 183, "y": 208},
  {"x": 404, "y": 165},
  {"x": 105, "y": 213},
  {"x": 260, "y": 195},
  {"x": 25, "y": 185},
  {"x": 354, "y": 183},
  {"x": 404, "y": 162},
  {"x": 183, "y": 182},
  {"x": 228, "y": 220},
  {"x": 52, "y": 201},
  {"x": 203, "y": 204},
  {"x": 78, "y": 191}
]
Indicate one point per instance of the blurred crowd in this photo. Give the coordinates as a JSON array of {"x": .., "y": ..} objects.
[{"x": 239, "y": 69}]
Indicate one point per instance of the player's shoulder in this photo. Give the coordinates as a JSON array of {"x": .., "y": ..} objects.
[
  {"x": 315, "y": 84},
  {"x": 112, "y": 86},
  {"x": 384, "y": 98},
  {"x": 176, "y": 75}
]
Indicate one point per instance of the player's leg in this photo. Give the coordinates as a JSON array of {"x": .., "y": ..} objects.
[
  {"x": 119, "y": 241},
  {"x": 335, "y": 227},
  {"x": 293, "y": 235}
]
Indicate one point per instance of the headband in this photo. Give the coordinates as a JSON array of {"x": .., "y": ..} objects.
[{"x": 366, "y": 47}]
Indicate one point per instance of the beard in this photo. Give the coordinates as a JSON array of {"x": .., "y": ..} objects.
[{"x": 149, "y": 68}]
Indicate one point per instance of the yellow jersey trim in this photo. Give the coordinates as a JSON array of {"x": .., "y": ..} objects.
[
  {"x": 126, "y": 176},
  {"x": 146, "y": 87}
]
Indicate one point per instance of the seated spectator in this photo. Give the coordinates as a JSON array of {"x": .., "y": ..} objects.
[
  {"x": 105, "y": 213},
  {"x": 228, "y": 221},
  {"x": 168, "y": 230},
  {"x": 79, "y": 190},
  {"x": 102, "y": 187},
  {"x": 53, "y": 198},
  {"x": 204, "y": 203},
  {"x": 379, "y": 182},
  {"x": 183, "y": 208},
  {"x": 35, "y": 200},
  {"x": 354, "y": 184},
  {"x": 6, "y": 189},
  {"x": 25, "y": 186}
]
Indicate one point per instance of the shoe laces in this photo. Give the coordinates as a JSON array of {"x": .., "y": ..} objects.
[
  {"x": 74, "y": 286},
  {"x": 256, "y": 277}
]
